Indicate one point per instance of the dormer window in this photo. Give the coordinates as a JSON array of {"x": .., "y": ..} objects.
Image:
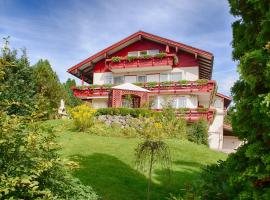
[{"x": 142, "y": 53}]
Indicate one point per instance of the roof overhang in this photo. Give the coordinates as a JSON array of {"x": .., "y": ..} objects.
[
  {"x": 205, "y": 59},
  {"x": 227, "y": 99}
]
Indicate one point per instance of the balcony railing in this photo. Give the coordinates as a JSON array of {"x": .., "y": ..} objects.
[
  {"x": 196, "y": 114},
  {"x": 125, "y": 64},
  {"x": 181, "y": 87}
]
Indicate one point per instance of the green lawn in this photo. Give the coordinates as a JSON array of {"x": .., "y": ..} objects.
[{"x": 107, "y": 164}]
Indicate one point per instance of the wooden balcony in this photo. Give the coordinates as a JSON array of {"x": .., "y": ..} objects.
[
  {"x": 145, "y": 64},
  {"x": 155, "y": 88}
]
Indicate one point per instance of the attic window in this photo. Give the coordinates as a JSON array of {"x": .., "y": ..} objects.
[
  {"x": 144, "y": 52},
  {"x": 133, "y": 53},
  {"x": 153, "y": 52}
]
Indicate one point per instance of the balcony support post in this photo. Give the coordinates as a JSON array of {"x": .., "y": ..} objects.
[
  {"x": 167, "y": 50},
  {"x": 82, "y": 78}
]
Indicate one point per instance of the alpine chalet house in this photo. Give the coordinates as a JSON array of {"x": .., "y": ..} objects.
[{"x": 145, "y": 69}]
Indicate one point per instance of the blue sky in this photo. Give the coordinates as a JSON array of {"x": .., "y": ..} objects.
[{"x": 67, "y": 31}]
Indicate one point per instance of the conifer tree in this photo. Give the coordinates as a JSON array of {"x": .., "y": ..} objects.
[{"x": 246, "y": 173}]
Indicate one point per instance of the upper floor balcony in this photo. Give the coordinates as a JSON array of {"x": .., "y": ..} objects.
[
  {"x": 161, "y": 61},
  {"x": 180, "y": 87}
]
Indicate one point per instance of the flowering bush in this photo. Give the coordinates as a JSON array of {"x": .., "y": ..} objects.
[{"x": 83, "y": 116}]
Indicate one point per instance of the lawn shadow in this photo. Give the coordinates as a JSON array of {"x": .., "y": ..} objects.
[
  {"x": 113, "y": 179},
  {"x": 178, "y": 179}
]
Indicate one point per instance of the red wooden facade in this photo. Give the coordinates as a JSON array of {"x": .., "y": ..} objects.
[{"x": 177, "y": 55}]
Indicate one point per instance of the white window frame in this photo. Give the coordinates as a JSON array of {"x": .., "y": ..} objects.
[
  {"x": 179, "y": 102},
  {"x": 154, "y": 52},
  {"x": 145, "y": 77},
  {"x": 174, "y": 74},
  {"x": 108, "y": 79},
  {"x": 151, "y": 52},
  {"x": 133, "y": 53},
  {"x": 121, "y": 77},
  {"x": 165, "y": 75}
]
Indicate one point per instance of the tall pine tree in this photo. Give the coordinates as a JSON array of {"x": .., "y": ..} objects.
[
  {"x": 71, "y": 99},
  {"x": 48, "y": 87},
  {"x": 17, "y": 88}
]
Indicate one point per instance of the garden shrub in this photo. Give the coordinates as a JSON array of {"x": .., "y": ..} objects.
[
  {"x": 30, "y": 167},
  {"x": 197, "y": 132},
  {"x": 83, "y": 116},
  {"x": 115, "y": 129},
  {"x": 172, "y": 125}
]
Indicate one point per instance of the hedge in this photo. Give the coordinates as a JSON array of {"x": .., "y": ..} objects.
[{"x": 134, "y": 112}]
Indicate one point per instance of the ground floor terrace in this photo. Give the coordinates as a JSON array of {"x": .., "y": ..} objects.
[{"x": 192, "y": 99}]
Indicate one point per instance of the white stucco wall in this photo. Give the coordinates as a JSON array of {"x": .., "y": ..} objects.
[
  {"x": 188, "y": 73},
  {"x": 100, "y": 103},
  {"x": 216, "y": 128},
  {"x": 230, "y": 143},
  {"x": 99, "y": 78}
]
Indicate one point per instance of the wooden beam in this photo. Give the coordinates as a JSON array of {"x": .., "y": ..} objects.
[
  {"x": 82, "y": 78},
  {"x": 207, "y": 63},
  {"x": 204, "y": 60}
]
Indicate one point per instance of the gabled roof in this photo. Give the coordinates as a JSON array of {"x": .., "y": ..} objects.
[
  {"x": 205, "y": 58},
  {"x": 130, "y": 86}
]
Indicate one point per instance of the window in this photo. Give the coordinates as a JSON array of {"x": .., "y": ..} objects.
[
  {"x": 182, "y": 102},
  {"x": 133, "y": 53},
  {"x": 164, "y": 77},
  {"x": 118, "y": 79},
  {"x": 176, "y": 76},
  {"x": 153, "y": 52},
  {"x": 174, "y": 103},
  {"x": 141, "y": 79},
  {"x": 108, "y": 79},
  {"x": 144, "y": 52}
]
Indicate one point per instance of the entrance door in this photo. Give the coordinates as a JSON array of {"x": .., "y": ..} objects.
[{"x": 131, "y": 101}]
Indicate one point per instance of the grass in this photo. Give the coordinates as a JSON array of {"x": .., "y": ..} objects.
[{"x": 107, "y": 164}]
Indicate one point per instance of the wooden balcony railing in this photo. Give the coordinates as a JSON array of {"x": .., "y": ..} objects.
[
  {"x": 124, "y": 63},
  {"x": 196, "y": 114},
  {"x": 153, "y": 87}
]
